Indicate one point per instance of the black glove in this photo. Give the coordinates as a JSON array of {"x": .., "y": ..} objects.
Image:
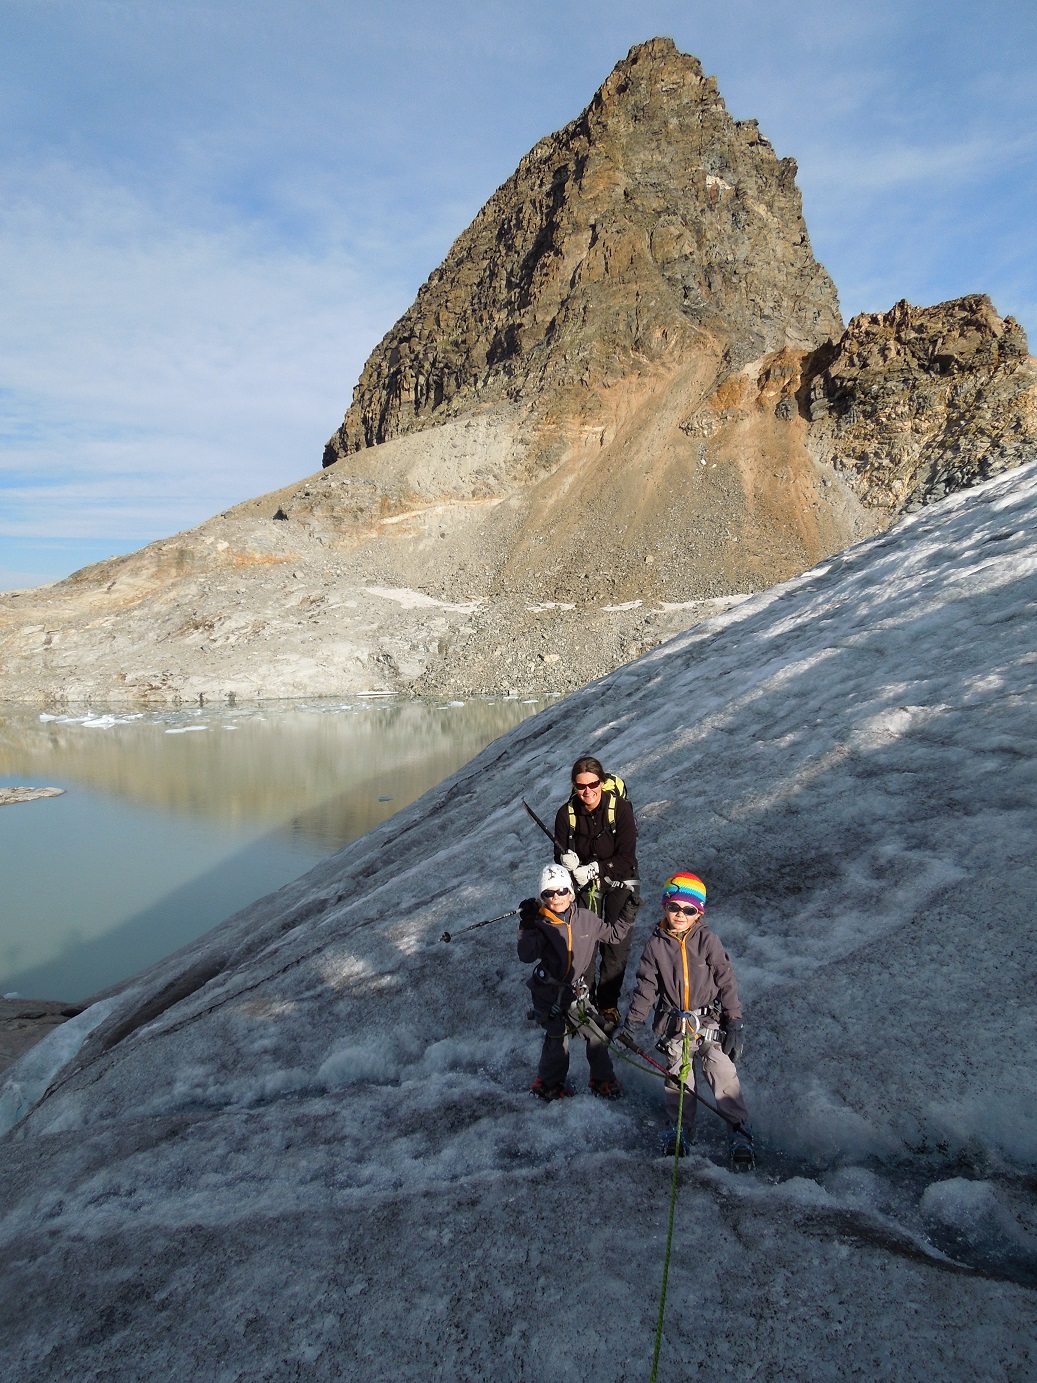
[
  {"x": 732, "y": 1038},
  {"x": 528, "y": 911}
]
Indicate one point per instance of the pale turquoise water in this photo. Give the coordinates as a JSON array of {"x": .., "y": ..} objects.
[{"x": 173, "y": 820}]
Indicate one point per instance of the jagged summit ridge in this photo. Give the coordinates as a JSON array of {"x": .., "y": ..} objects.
[{"x": 651, "y": 224}]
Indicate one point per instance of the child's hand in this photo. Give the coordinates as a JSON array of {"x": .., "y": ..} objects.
[
  {"x": 732, "y": 1042},
  {"x": 528, "y": 911}
]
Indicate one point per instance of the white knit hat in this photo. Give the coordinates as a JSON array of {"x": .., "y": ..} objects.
[{"x": 555, "y": 876}]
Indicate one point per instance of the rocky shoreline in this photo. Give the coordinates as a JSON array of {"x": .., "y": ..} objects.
[{"x": 23, "y": 1022}]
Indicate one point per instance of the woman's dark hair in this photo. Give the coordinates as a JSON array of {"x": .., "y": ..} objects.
[{"x": 587, "y": 765}]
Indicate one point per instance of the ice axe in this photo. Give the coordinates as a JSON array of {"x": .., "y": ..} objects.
[
  {"x": 449, "y": 936},
  {"x": 584, "y": 891},
  {"x": 550, "y": 834}
]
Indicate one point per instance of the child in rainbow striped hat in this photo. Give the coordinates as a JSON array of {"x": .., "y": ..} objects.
[{"x": 687, "y": 975}]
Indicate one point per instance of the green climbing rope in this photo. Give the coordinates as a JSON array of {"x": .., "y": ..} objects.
[{"x": 684, "y": 1073}]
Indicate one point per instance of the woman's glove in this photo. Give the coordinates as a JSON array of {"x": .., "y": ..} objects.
[
  {"x": 570, "y": 860},
  {"x": 583, "y": 873}
]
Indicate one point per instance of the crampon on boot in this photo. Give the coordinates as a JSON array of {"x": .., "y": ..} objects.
[
  {"x": 676, "y": 1141},
  {"x": 740, "y": 1147},
  {"x": 609, "y": 1089},
  {"x": 543, "y": 1091}
]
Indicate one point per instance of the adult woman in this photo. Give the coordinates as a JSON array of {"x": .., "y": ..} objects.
[{"x": 596, "y": 840}]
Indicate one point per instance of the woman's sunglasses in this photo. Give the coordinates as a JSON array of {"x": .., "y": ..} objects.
[
  {"x": 588, "y": 787},
  {"x": 556, "y": 893}
]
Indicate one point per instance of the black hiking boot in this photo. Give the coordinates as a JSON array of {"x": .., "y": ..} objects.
[{"x": 740, "y": 1147}]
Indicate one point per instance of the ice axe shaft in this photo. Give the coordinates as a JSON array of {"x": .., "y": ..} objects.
[
  {"x": 550, "y": 834},
  {"x": 449, "y": 936}
]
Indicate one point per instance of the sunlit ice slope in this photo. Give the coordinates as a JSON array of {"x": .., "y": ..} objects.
[{"x": 304, "y": 1147}]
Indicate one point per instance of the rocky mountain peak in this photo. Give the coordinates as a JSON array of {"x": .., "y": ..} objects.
[
  {"x": 654, "y": 223},
  {"x": 623, "y": 402}
]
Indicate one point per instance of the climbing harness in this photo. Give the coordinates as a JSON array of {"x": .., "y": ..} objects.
[{"x": 582, "y": 1016}]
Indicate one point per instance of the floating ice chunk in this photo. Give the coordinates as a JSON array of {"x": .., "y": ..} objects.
[{"x": 186, "y": 729}]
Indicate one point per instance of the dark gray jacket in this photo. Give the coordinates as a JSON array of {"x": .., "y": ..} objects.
[
  {"x": 689, "y": 976},
  {"x": 564, "y": 947}
]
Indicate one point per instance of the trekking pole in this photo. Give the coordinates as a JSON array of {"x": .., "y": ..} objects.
[
  {"x": 689, "y": 1086},
  {"x": 449, "y": 936}
]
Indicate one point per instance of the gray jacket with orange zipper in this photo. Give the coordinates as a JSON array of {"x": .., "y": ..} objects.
[
  {"x": 564, "y": 947},
  {"x": 682, "y": 973}
]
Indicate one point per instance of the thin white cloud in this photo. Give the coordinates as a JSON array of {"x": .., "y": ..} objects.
[
  {"x": 941, "y": 165},
  {"x": 182, "y": 362}
]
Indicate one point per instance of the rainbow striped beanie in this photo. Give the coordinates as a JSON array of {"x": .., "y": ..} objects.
[{"x": 685, "y": 888}]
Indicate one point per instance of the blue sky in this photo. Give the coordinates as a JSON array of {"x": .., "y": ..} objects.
[{"x": 210, "y": 210}]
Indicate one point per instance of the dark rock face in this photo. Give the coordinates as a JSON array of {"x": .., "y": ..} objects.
[
  {"x": 915, "y": 403},
  {"x": 650, "y": 225}
]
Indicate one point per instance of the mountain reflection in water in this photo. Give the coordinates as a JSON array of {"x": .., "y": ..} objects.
[{"x": 173, "y": 820}]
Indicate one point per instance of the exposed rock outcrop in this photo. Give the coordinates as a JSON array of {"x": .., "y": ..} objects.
[
  {"x": 917, "y": 402},
  {"x": 23, "y": 1022}
]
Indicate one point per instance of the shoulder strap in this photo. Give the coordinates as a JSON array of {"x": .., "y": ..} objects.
[{"x": 612, "y": 787}]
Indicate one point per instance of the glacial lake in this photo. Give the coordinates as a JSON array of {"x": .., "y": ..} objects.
[{"x": 173, "y": 820}]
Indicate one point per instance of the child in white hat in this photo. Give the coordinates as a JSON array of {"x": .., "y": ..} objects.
[{"x": 561, "y": 937}]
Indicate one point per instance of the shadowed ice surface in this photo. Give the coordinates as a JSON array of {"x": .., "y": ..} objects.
[{"x": 304, "y": 1148}]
